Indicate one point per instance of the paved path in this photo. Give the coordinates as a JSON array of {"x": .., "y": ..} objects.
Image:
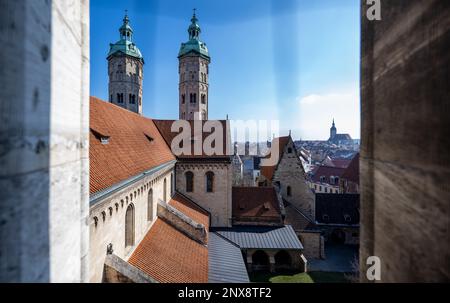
[{"x": 339, "y": 258}]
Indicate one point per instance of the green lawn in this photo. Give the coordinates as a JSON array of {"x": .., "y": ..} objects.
[{"x": 310, "y": 277}]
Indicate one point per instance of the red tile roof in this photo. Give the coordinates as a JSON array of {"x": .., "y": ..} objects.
[
  {"x": 190, "y": 209},
  {"x": 259, "y": 202},
  {"x": 169, "y": 256},
  {"x": 352, "y": 171},
  {"x": 164, "y": 127},
  {"x": 327, "y": 172},
  {"x": 268, "y": 171},
  {"x": 130, "y": 149}
]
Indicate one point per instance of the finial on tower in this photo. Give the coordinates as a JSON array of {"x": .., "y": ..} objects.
[{"x": 126, "y": 19}]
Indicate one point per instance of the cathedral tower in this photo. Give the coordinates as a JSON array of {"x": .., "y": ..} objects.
[
  {"x": 332, "y": 131},
  {"x": 125, "y": 71},
  {"x": 194, "y": 73}
]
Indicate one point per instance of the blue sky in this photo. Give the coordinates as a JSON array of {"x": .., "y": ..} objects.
[{"x": 295, "y": 61}]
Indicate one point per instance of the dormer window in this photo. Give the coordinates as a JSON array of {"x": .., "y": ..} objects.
[
  {"x": 149, "y": 138},
  {"x": 104, "y": 139},
  {"x": 347, "y": 218}
]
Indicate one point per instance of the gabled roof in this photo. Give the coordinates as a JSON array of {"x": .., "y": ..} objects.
[
  {"x": 268, "y": 171},
  {"x": 352, "y": 171},
  {"x": 170, "y": 256},
  {"x": 122, "y": 144},
  {"x": 225, "y": 153},
  {"x": 340, "y": 209},
  {"x": 260, "y": 202}
]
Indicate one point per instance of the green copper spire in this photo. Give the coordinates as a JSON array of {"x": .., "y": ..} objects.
[
  {"x": 194, "y": 44},
  {"x": 125, "y": 45}
]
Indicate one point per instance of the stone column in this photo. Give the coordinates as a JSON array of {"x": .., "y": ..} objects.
[
  {"x": 44, "y": 169},
  {"x": 405, "y": 163}
]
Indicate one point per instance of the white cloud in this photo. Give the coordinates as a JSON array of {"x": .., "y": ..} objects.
[{"x": 317, "y": 110}]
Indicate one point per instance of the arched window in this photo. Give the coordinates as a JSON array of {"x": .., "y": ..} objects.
[
  {"x": 165, "y": 190},
  {"x": 289, "y": 191},
  {"x": 183, "y": 99},
  {"x": 129, "y": 226},
  {"x": 209, "y": 182},
  {"x": 150, "y": 205},
  {"x": 203, "y": 98},
  {"x": 283, "y": 260},
  {"x": 189, "y": 181},
  {"x": 260, "y": 260},
  {"x": 118, "y": 98},
  {"x": 130, "y": 99},
  {"x": 191, "y": 98}
]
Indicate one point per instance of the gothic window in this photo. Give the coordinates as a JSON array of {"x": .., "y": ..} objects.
[
  {"x": 209, "y": 182},
  {"x": 289, "y": 191},
  {"x": 121, "y": 98},
  {"x": 165, "y": 190},
  {"x": 195, "y": 98},
  {"x": 189, "y": 181},
  {"x": 129, "y": 226},
  {"x": 191, "y": 98},
  {"x": 183, "y": 99},
  {"x": 134, "y": 99},
  {"x": 130, "y": 99},
  {"x": 150, "y": 205},
  {"x": 203, "y": 98}
]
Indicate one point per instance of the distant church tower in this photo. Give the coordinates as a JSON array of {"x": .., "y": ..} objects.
[
  {"x": 194, "y": 73},
  {"x": 125, "y": 71},
  {"x": 333, "y": 131}
]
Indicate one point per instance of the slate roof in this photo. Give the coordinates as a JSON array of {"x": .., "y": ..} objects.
[
  {"x": 164, "y": 127},
  {"x": 261, "y": 202},
  {"x": 168, "y": 255},
  {"x": 337, "y": 209},
  {"x": 298, "y": 220},
  {"x": 261, "y": 237},
  {"x": 226, "y": 263},
  {"x": 134, "y": 145}
]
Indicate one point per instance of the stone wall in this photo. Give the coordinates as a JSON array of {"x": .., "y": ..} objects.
[
  {"x": 405, "y": 209},
  {"x": 44, "y": 169},
  {"x": 107, "y": 218},
  {"x": 290, "y": 173},
  {"x": 313, "y": 244},
  {"x": 218, "y": 202}
]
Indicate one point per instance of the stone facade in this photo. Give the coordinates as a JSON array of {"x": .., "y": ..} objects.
[
  {"x": 193, "y": 87},
  {"x": 313, "y": 244},
  {"x": 107, "y": 217},
  {"x": 126, "y": 75},
  {"x": 405, "y": 209},
  {"x": 217, "y": 202},
  {"x": 44, "y": 170},
  {"x": 290, "y": 177}
]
